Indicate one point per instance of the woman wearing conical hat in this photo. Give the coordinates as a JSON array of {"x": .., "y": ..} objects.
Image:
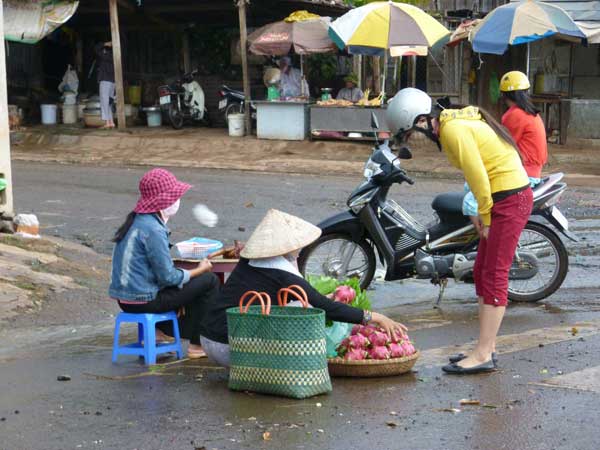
[{"x": 268, "y": 264}]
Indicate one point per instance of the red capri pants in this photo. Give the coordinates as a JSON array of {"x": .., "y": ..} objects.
[{"x": 495, "y": 254}]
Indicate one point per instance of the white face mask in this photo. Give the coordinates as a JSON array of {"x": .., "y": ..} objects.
[{"x": 169, "y": 212}]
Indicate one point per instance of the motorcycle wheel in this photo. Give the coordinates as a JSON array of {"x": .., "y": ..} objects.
[
  {"x": 551, "y": 258},
  {"x": 175, "y": 117},
  {"x": 233, "y": 108},
  {"x": 324, "y": 258}
]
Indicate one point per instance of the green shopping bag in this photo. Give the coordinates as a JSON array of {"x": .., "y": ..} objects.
[{"x": 277, "y": 350}]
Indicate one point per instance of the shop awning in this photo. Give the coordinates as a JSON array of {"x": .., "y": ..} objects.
[{"x": 30, "y": 21}]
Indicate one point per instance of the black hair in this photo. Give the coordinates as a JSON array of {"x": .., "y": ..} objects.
[
  {"x": 124, "y": 228},
  {"x": 522, "y": 99}
]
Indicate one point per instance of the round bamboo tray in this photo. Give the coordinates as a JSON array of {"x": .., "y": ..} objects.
[{"x": 339, "y": 367}]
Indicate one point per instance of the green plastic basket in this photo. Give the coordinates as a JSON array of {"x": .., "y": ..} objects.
[{"x": 280, "y": 353}]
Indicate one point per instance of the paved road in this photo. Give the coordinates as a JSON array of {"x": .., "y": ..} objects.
[{"x": 545, "y": 397}]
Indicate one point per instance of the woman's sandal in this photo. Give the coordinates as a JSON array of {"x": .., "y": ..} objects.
[{"x": 196, "y": 354}]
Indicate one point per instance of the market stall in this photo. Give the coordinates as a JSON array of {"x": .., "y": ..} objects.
[
  {"x": 284, "y": 115},
  {"x": 345, "y": 122},
  {"x": 282, "y": 119},
  {"x": 407, "y": 30}
]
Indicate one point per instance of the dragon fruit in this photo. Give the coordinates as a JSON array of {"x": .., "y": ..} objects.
[
  {"x": 379, "y": 338},
  {"x": 358, "y": 341},
  {"x": 407, "y": 348},
  {"x": 344, "y": 294},
  {"x": 396, "y": 350},
  {"x": 379, "y": 352},
  {"x": 356, "y": 330},
  {"x": 355, "y": 354},
  {"x": 367, "y": 331}
]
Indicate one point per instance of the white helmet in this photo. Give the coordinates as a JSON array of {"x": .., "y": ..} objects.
[{"x": 406, "y": 106}]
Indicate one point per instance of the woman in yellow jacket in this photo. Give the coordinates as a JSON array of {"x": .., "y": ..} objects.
[{"x": 487, "y": 155}]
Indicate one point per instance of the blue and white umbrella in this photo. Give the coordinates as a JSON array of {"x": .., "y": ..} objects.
[{"x": 521, "y": 23}]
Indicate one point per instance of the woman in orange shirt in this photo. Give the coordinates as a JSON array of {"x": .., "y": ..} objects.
[{"x": 524, "y": 123}]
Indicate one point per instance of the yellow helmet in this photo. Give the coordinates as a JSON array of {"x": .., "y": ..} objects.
[{"x": 514, "y": 81}]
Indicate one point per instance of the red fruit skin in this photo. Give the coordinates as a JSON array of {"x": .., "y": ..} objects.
[
  {"x": 355, "y": 354},
  {"x": 396, "y": 350},
  {"x": 408, "y": 348},
  {"x": 344, "y": 294},
  {"x": 358, "y": 341},
  {"x": 379, "y": 338},
  {"x": 367, "y": 330},
  {"x": 356, "y": 330},
  {"x": 379, "y": 352}
]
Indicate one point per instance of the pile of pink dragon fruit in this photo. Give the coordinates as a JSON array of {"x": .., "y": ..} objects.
[{"x": 370, "y": 342}]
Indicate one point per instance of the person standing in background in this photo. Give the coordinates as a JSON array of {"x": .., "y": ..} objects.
[
  {"x": 106, "y": 80},
  {"x": 292, "y": 83}
]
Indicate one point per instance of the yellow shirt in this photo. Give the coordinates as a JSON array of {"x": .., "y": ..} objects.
[{"x": 488, "y": 162}]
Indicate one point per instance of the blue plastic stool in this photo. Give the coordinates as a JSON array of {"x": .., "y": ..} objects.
[{"x": 146, "y": 333}]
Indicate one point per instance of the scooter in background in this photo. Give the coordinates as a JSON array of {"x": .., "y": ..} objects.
[
  {"x": 233, "y": 102},
  {"x": 184, "y": 100}
]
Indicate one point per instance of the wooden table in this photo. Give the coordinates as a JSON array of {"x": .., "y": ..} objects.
[
  {"x": 547, "y": 100},
  {"x": 221, "y": 267}
]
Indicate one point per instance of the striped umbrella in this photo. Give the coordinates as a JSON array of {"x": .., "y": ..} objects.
[
  {"x": 377, "y": 27},
  {"x": 521, "y": 23}
]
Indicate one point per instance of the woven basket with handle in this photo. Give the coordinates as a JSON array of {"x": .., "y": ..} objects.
[
  {"x": 339, "y": 367},
  {"x": 277, "y": 350}
]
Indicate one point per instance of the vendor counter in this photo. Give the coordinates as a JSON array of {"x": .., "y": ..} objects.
[
  {"x": 284, "y": 120},
  {"x": 336, "y": 122}
]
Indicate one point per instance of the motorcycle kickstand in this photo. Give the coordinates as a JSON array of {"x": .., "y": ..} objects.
[{"x": 443, "y": 283}]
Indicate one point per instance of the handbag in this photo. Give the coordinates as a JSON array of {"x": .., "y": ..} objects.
[{"x": 277, "y": 350}]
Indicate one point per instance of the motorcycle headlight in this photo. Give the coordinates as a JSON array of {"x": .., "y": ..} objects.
[{"x": 371, "y": 169}]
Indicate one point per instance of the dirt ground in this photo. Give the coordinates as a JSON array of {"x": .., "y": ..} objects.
[{"x": 214, "y": 149}]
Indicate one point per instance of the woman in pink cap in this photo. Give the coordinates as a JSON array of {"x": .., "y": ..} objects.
[{"x": 144, "y": 279}]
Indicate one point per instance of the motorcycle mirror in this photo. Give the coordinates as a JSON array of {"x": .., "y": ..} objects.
[
  {"x": 404, "y": 153},
  {"x": 374, "y": 121}
]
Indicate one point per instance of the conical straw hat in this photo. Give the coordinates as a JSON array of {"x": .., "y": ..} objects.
[{"x": 278, "y": 234}]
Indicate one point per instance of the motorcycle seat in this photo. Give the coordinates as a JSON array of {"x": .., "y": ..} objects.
[{"x": 448, "y": 203}]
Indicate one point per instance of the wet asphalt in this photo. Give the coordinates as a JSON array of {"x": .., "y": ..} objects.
[{"x": 186, "y": 405}]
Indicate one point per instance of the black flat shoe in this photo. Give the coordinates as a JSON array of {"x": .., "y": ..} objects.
[
  {"x": 455, "y": 369},
  {"x": 460, "y": 356}
]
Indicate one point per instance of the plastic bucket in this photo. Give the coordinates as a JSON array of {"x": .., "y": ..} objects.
[
  {"x": 154, "y": 118},
  {"x": 69, "y": 114},
  {"x": 236, "y": 124},
  {"x": 49, "y": 114},
  {"x": 135, "y": 95}
]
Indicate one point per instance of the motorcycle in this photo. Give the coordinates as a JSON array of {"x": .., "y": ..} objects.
[
  {"x": 233, "y": 102},
  {"x": 442, "y": 250},
  {"x": 184, "y": 100}
]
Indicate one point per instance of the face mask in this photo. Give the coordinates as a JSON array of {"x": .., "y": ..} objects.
[{"x": 171, "y": 210}]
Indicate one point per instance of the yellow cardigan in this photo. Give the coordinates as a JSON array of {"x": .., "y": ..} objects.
[{"x": 488, "y": 162}]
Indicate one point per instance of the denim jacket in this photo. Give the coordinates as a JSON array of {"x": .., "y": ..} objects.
[{"x": 142, "y": 264}]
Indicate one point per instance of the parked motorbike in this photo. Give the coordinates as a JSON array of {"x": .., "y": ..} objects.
[
  {"x": 233, "y": 102},
  {"x": 442, "y": 250},
  {"x": 184, "y": 100}
]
